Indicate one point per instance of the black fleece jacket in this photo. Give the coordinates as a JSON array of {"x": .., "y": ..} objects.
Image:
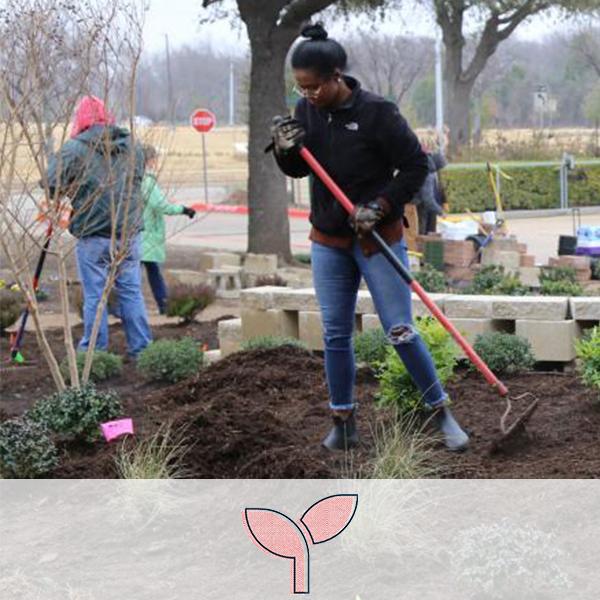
[{"x": 367, "y": 147}]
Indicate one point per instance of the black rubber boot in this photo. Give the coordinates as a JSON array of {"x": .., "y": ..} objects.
[
  {"x": 343, "y": 434},
  {"x": 455, "y": 438}
]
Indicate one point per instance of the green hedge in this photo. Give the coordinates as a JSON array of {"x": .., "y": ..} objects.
[{"x": 531, "y": 187}]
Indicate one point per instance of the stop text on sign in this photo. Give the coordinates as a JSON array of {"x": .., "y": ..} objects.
[{"x": 203, "y": 120}]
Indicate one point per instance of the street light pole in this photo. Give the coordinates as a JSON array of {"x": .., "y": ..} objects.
[
  {"x": 439, "y": 100},
  {"x": 231, "y": 93}
]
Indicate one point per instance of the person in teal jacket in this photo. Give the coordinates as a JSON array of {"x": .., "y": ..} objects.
[{"x": 156, "y": 206}]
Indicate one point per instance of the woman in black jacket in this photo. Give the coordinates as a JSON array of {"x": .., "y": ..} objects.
[{"x": 370, "y": 151}]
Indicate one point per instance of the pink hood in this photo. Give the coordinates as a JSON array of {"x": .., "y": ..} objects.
[{"x": 91, "y": 111}]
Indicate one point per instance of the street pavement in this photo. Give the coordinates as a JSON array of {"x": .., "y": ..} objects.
[{"x": 229, "y": 232}]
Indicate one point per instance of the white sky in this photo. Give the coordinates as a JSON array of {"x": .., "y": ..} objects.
[{"x": 179, "y": 19}]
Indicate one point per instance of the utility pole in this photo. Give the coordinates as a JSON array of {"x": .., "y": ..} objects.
[
  {"x": 231, "y": 93},
  {"x": 439, "y": 99},
  {"x": 170, "y": 107}
]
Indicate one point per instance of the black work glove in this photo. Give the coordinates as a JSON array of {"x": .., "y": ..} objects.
[
  {"x": 366, "y": 216},
  {"x": 189, "y": 212},
  {"x": 287, "y": 134}
]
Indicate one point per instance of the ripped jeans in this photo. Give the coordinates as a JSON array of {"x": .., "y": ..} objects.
[{"x": 336, "y": 275}]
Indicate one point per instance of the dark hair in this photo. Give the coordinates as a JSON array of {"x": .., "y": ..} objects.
[
  {"x": 150, "y": 152},
  {"x": 318, "y": 52}
]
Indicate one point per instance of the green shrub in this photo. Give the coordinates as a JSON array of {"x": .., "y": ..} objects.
[
  {"x": 492, "y": 279},
  {"x": 104, "y": 365},
  {"x": 76, "y": 413},
  {"x": 186, "y": 301},
  {"x": 267, "y": 342},
  {"x": 303, "y": 258},
  {"x": 596, "y": 268},
  {"x": 567, "y": 274},
  {"x": 431, "y": 279},
  {"x": 396, "y": 385},
  {"x": 535, "y": 187},
  {"x": 26, "y": 449},
  {"x": 171, "y": 360},
  {"x": 560, "y": 288},
  {"x": 504, "y": 352},
  {"x": 588, "y": 352},
  {"x": 274, "y": 279},
  {"x": 371, "y": 347},
  {"x": 11, "y": 305}
]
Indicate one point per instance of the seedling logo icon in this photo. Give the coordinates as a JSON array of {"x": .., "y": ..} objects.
[{"x": 277, "y": 534}]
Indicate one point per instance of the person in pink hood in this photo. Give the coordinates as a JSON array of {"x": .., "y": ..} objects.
[{"x": 101, "y": 169}]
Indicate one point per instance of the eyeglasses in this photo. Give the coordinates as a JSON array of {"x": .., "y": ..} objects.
[{"x": 308, "y": 92}]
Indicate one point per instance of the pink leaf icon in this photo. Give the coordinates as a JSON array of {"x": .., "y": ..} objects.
[
  {"x": 328, "y": 517},
  {"x": 279, "y": 535}
]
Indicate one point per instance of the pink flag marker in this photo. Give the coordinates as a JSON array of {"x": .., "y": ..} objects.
[{"x": 115, "y": 429}]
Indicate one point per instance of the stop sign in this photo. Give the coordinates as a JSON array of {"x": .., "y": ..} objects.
[{"x": 203, "y": 120}]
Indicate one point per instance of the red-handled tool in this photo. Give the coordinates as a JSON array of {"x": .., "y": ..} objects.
[{"x": 407, "y": 276}]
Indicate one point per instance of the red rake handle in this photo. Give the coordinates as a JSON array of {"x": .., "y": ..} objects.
[{"x": 406, "y": 275}]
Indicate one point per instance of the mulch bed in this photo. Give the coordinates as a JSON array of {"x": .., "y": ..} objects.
[{"x": 263, "y": 413}]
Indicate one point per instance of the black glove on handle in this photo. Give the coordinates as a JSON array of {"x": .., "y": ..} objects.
[
  {"x": 189, "y": 212},
  {"x": 287, "y": 134},
  {"x": 366, "y": 216}
]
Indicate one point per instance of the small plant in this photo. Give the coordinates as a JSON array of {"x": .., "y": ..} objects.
[
  {"x": 104, "y": 365},
  {"x": 558, "y": 274},
  {"x": 266, "y": 342},
  {"x": 402, "y": 450},
  {"x": 171, "y": 360},
  {"x": 303, "y": 258},
  {"x": 596, "y": 268},
  {"x": 431, "y": 279},
  {"x": 371, "y": 347},
  {"x": 274, "y": 279},
  {"x": 186, "y": 301},
  {"x": 26, "y": 449},
  {"x": 588, "y": 352},
  {"x": 11, "y": 305},
  {"x": 549, "y": 287},
  {"x": 504, "y": 352},
  {"x": 76, "y": 413},
  {"x": 492, "y": 279},
  {"x": 396, "y": 385},
  {"x": 159, "y": 456}
]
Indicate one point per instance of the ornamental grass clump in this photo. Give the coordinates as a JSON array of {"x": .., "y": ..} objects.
[{"x": 171, "y": 360}]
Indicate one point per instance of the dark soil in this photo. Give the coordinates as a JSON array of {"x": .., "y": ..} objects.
[
  {"x": 21, "y": 386},
  {"x": 263, "y": 413}
]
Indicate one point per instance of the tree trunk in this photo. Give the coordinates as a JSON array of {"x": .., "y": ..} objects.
[
  {"x": 268, "y": 224},
  {"x": 459, "y": 96}
]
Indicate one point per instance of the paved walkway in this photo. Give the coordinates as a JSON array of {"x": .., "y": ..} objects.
[{"x": 229, "y": 232}]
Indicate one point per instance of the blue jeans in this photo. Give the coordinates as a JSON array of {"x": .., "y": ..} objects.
[
  {"x": 93, "y": 264},
  {"x": 336, "y": 275},
  {"x": 157, "y": 285}
]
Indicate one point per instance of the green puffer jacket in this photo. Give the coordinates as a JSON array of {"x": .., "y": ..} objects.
[
  {"x": 156, "y": 206},
  {"x": 102, "y": 179}
]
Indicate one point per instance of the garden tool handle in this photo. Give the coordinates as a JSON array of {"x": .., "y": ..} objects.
[{"x": 406, "y": 275}]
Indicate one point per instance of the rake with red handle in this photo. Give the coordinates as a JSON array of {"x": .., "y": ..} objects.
[{"x": 408, "y": 278}]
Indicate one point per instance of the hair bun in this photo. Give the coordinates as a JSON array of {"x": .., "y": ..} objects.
[{"x": 314, "y": 32}]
